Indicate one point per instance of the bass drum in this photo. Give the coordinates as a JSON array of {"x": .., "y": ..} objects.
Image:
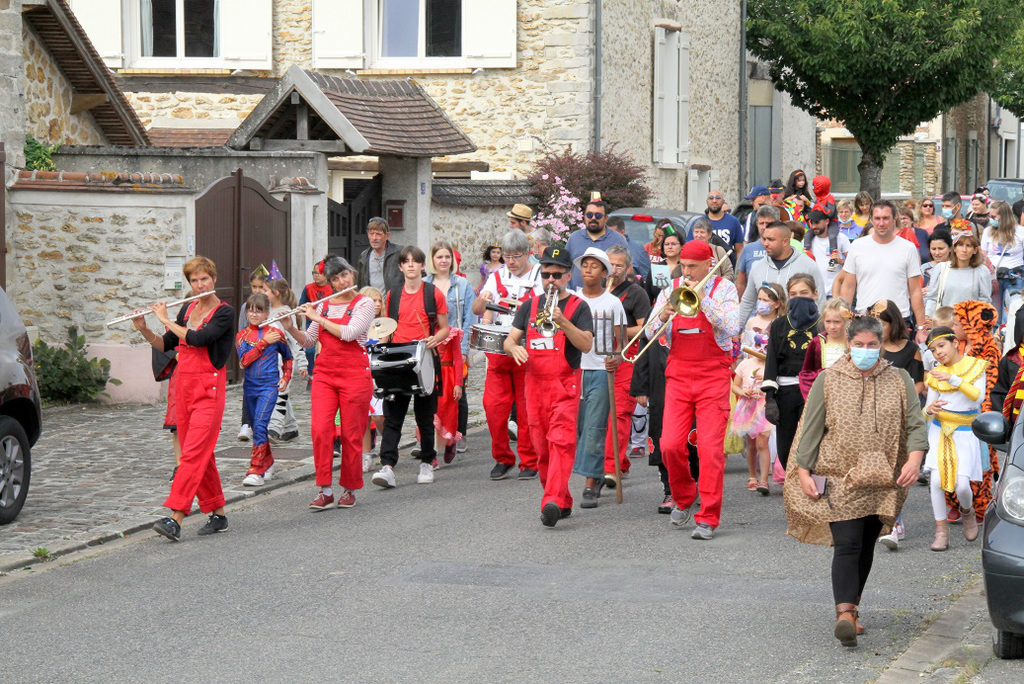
[
  {"x": 488, "y": 338},
  {"x": 403, "y": 369}
]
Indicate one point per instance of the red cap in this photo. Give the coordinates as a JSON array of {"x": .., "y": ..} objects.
[{"x": 696, "y": 250}]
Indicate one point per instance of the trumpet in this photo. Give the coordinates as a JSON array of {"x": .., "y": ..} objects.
[
  {"x": 298, "y": 309},
  {"x": 684, "y": 300},
  {"x": 546, "y": 327},
  {"x": 139, "y": 314}
]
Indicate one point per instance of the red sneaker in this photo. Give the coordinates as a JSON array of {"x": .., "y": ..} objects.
[
  {"x": 953, "y": 516},
  {"x": 347, "y": 499},
  {"x": 322, "y": 502}
]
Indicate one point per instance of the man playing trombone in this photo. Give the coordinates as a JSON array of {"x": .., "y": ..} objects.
[{"x": 697, "y": 379}]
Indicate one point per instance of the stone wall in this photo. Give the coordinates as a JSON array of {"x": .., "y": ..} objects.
[
  {"x": 187, "y": 107},
  {"x": 293, "y": 34},
  {"x": 469, "y": 229},
  {"x": 48, "y": 94},
  {"x": 12, "y": 74}
]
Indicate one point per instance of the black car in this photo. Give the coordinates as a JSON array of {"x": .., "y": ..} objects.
[
  {"x": 20, "y": 412},
  {"x": 1002, "y": 551}
]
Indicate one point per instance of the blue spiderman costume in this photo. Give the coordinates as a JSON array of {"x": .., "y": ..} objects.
[{"x": 259, "y": 391}]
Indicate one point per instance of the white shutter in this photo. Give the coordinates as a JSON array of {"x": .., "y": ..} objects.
[
  {"x": 101, "y": 20},
  {"x": 666, "y": 89},
  {"x": 338, "y": 34},
  {"x": 489, "y": 31},
  {"x": 658, "y": 143},
  {"x": 683, "y": 101},
  {"x": 246, "y": 40}
]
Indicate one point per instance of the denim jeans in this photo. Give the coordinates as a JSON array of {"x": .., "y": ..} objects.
[
  {"x": 592, "y": 424},
  {"x": 1007, "y": 285}
]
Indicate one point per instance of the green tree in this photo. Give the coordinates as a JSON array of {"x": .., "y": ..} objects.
[
  {"x": 1006, "y": 84},
  {"x": 880, "y": 66}
]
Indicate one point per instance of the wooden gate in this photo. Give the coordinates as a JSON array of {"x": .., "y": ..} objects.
[
  {"x": 346, "y": 222},
  {"x": 240, "y": 226}
]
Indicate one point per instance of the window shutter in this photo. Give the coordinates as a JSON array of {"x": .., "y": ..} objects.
[
  {"x": 338, "y": 34},
  {"x": 245, "y": 34},
  {"x": 489, "y": 33},
  {"x": 101, "y": 20},
  {"x": 683, "y": 101},
  {"x": 658, "y": 144}
]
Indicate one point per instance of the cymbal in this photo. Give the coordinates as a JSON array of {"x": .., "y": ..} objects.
[{"x": 382, "y": 327}]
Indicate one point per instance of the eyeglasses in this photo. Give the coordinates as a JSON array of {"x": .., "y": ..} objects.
[
  {"x": 714, "y": 197},
  {"x": 545, "y": 275},
  {"x": 520, "y": 255},
  {"x": 595, "y": 214}
]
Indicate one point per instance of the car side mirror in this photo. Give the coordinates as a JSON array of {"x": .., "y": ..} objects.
[{"x": 992, "y": 428}]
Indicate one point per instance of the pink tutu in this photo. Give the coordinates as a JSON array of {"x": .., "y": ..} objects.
[{"x": 748, "y": 417}]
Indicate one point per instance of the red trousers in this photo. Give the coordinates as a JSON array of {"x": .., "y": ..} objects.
[
  {"x": 624, "y": 405},
  {"x": 700, "y": 389},
  {"x": 554, "y": 401},
  {"x": 505, "y": 383},
  {"x": 200, "y": 406},
  {"x": 348, "y": 391}
]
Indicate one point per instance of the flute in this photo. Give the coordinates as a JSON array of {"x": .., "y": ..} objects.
[
  {"x": 286, "y": 314},
  {"x": 138, "y": 314}
]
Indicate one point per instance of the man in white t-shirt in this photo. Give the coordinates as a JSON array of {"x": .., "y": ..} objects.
[
  {"x": 505, "y": 385},
  {"x": 829, "y": 264},
  {"x": 592, "y": 424},
  {"x": 884, "y": 266}
]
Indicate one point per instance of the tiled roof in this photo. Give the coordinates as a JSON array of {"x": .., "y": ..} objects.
[
  {"x": 483, "y": 193},
  {"x": 190, "y": 137},
  {"x": 104, "y": 181}
]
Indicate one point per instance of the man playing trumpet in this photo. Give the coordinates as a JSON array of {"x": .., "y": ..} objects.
[
  {"x": 697, "y": 379},
  {"x": 552, "y": 364}
]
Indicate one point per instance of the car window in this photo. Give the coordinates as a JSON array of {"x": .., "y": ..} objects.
[{"x": 1007, "y": 192}]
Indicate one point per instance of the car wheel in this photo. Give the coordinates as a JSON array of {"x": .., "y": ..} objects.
[
  {"x": 1007, "y": 645},
  {"x": 15, "y": 468}
]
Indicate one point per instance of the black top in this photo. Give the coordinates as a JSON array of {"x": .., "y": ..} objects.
[
  {"x": 634, "y": 300},
  {"x": 581, "y": 318},
  {"x": 1017, "y": 208},
  {"x": 217, "y": 335},
  {"x": 1008, "y": 367},
  {"x": 908, "y": 359},
  {"x": 787, "y": 348}
]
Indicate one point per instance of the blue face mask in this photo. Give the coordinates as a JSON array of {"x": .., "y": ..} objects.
[
  {"x": 764, "y": 308},
  {"x": 864, "y": 358},
  {"x": 993, "y": 223},
  {"x": 947, "y": 213}
]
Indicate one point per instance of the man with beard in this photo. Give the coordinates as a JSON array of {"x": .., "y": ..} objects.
[
  {"x": 595, "y": 233},
  {"x": 829, "y": 264},
  {"x": 779, "y": 263},
  {"x": 723, "y": 224}
]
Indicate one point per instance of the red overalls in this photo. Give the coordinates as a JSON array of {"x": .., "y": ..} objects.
[
  {"x": 200, "y": 397},
  {"x": 342, "y": 382},
  {"x": 697, "y": 380},
  {"x": 624, "y": 406},
  {"x": 505, "y": 383},
  {"x": 553, "y": 393}
]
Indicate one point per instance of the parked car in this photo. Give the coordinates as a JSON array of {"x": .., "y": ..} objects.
[
  {"x": 20, "y": 412},
  {"x": 1002, "y": 550},
  {"x": 640, "y": 221},
  {"x": 1006, "y": 189}
]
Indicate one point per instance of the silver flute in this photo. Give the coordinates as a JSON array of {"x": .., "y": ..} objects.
[
  {"x": 298, "y": 309},
  {"x": 139, "y": 314}
]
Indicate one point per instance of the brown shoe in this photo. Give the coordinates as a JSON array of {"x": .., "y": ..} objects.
[
  {"x": 970, "y": 522},
  {"x": 941, "y": 542},
  {"x": 860, "y": 627},
  {"x": 846, "y": 624}
]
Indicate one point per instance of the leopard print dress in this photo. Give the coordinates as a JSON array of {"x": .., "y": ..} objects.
[{"x": 861, "y": 415}]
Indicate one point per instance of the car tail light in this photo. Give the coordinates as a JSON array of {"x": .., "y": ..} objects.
[
  {"x": 646, "y": 218},
  {"x": 1011, "y": 494},
  {"x": 25, "y": 348}
]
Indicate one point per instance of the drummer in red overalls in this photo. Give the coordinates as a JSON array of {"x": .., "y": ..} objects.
[
  {"x": 203, "y": 333},
  {"x": 505, "y": 384},
  {"x": 343, "y": 384},
  {"x": 697, "y": 379},
  {"x": 553, "y": 379}
]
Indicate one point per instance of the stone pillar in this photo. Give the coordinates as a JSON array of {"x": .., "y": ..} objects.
[
  {"x": 308, "y": 227},
  {"x": 409, "y": 179}
]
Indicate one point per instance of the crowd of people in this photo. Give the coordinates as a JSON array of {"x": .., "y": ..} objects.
[{"x": 860, "y": 338}]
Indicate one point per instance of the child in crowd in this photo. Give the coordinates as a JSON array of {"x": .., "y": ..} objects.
[
  {"x": 827, "y": 347},
  {"x": 944, "y": 316},
  {"x": 748, "y": 419},
  {"x": 847, "y": 226},
  {"x": 283, "y": 426},
  {"x": 258, "y": 352},
  {"x": 376, "y": 425},
  {"x": 771, "y": 303},
  {"x": 956, "y": 391},
  {"x": 257, "y": 283}
]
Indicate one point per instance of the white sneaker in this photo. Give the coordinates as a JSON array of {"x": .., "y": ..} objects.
[
  {"x": 253, "y": 480},
  {"x": 513, "y": 430},
  {"x": 890, "y": 541},
  {"x": 461, "y": 447},
  {"x": 245, "y": 434},
  {"x": 270, "y": 473},
  {"x": 426, "y": 475},
  {"x": 385, "y": 477},
  {"x": 367, "y": 467}
]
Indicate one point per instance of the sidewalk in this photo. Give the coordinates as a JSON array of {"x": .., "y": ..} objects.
[{"x": 101, "y": 472}]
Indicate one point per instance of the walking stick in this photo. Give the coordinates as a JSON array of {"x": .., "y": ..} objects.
[{"x": 604, "y": 345}]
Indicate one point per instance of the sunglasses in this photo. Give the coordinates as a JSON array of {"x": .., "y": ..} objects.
[
  {"x": 595, "y": 214},
  {"x": 714, "y": 197},
  {"x": 928, "y": 204},
  {"x": 545, "y": 275}
]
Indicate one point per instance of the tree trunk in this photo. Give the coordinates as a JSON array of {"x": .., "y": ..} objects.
[{"x": 870, "y": 174}]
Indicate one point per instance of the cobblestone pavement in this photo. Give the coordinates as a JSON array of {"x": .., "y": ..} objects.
[{"x": 100, "y": 471}]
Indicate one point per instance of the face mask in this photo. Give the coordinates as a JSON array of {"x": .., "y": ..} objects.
[
  {"x": 864, "y": 358},
  {"x": 947, "y": 213},
  {"x": 993, "y": 223},
  {"x": 764, "y": 308}
]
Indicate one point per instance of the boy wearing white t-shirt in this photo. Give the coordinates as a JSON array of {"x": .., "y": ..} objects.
[{"x": 829, "y": 264}]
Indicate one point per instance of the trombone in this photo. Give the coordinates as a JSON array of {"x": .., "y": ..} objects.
[
  {"x": 298, "y": 309},
  {"x": 686, "y": 302},
  {"x": 143, "y": 312}
]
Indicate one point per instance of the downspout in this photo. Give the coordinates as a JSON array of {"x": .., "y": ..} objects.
[
  {"x": 742, "y": 185},
  {"x": 598, "y": 56},
  {"x": 1016, "y": 161}
]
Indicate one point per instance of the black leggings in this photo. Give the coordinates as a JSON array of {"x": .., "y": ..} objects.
[
  {"x": 854, "y": 552},
  {"x": 791, "y": 405}
]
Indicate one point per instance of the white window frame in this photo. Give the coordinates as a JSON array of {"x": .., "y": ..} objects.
[
  {"x": 133, "y": 44},
  {"x": 421, "y": 61}
]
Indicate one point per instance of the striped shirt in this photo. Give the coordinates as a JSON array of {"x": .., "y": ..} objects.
[{"x": 357, "y": 326}]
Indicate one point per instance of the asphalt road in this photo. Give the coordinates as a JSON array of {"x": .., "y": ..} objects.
[{"x": 458, "y": 581}]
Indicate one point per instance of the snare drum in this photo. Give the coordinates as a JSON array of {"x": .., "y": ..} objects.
[
  {"x": 489, "y": 338},
  {"x": 402, "y": 369}
]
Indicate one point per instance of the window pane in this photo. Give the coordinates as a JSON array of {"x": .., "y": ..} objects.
[
  {"x": 159, "y": 28},
  {"x": 400, "y": 21},
  {"x": 444, "y": 28},
  {"x": 200, "y": 28},
  {"x": 759, "y": 145}
]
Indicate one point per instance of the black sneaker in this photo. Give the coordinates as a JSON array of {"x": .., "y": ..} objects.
[
  {"x": 415, "y": 453},
  {"x": 527, "y": 473},
  {"x": 169, "y": 528},
  {"x": 589, "y": 498},
  {"x": 667, "y": 506},
  {"x": 609, "y": 480},
  {"x": 550, "y": 514},
  {"x": 566, "y": 512},
  {"x": 274, "y": 436},
  {"x": 500, "y": 471},
  {"x": 216, "y": 523},
  {"x": 289, "y": 436}
]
